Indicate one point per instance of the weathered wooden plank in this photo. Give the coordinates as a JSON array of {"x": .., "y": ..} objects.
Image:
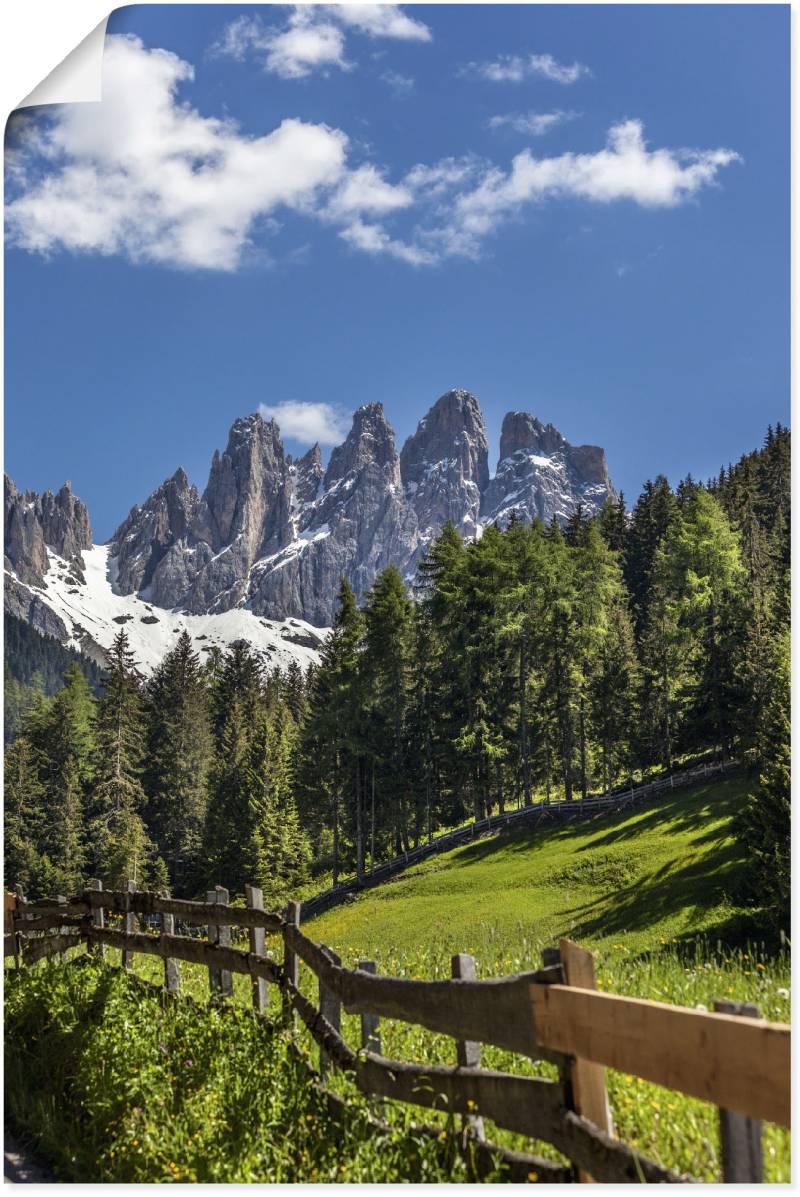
[
  {"x": 198, "y": 913},
  {"x": 587, "y": 1081},
  {"x": 193, "y": 951},
  {"x": 51, "y": 945},
  {"x": 468, "y": 1052},
  {"x": 481, "y": 1158},
  {"x": 219, "y": 979},
  {"x": 98, "y": 919},
  {"x": 43, "y": 908},
  {"x": 606, "y": 1159},
  {"x": 740, "y": 1136},
  {"x": 52, "y": 922},
  {"x": 331, "y": 1010},
  {"x": 172, "y": 972},
  {"x": 258, "y": 947},
  {"x": 495, "y": 1011},
  {"x": 527, "y": 1105},
  {"x": 742, "y": 1064}
]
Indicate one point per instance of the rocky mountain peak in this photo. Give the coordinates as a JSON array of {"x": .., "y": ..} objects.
[
  {"x": 445, "y": 465},
  {"x": 33, "y": 523},
  {"x": 541, "y": 475},
  {"x": 369, "y": 442},
  {"x": 522, "y": 431},
  {"x": 308, "y": 474}
]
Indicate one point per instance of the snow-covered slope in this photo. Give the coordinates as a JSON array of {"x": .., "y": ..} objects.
[{"x": 93, "y": 614}]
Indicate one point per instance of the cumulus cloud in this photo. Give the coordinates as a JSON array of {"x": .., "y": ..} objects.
[
  {"x": 308, "y": 423},
  {"x": 146, "y": 176},
  {"x": 533, "y": 124},
  {"x": 313, "y": 36},
  {"x": 143, "y": 175},
  {"x": 380, "y": 20},
  {"x": 513, "y": 68}
]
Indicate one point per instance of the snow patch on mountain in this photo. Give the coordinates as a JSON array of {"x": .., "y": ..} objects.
[{"x": 93, "y": 614}]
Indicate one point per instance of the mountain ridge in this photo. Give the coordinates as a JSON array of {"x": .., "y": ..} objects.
[{"x": 272, "y": 535}]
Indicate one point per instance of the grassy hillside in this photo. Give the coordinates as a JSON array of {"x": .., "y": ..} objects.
[
  {"x": 652, "y": 893},
  {"x": 669, "y": 872}
]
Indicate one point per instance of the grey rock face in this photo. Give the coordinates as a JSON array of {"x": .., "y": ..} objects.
[
  {"x": 277, "y": 534},
  {"x": 22, "y": 602},
  {"x": 541, "y": 474},
  {"x": 35, "y": 522},
  {"x": 445, "y": 465},
  {"x": 357, "y": 526}
]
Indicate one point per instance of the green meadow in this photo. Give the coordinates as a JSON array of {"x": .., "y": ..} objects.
[{"x": 652, "y": 893}]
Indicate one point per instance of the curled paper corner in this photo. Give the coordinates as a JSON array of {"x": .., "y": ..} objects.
[{"x": 78, "y": 78}]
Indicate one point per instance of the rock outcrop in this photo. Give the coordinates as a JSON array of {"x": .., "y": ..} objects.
[
  {"x": 275, "y": 535},
  {"x": 445, "y": 466},
  {"x": 33, "y": 523},
  {"x": 540, "y": 474}
]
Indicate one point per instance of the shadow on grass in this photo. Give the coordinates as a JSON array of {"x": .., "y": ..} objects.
[{"x": 680, "y": 812}]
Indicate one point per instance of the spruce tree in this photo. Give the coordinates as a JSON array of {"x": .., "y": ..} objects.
[
  {"x": 119, "y": 845},
  {"x": 178, "y": 761}
]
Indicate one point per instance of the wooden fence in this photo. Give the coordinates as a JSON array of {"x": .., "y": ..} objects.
[
  {"x": 538, "y": 813},
  {"x": 729, "y": 1057}
]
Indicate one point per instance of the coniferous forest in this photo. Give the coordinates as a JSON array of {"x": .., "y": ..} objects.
[{"x": 536, "y": 663}]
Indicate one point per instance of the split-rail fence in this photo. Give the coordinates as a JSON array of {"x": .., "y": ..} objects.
[
  {"x": 729, "y": 1057},
  {"x": 537, "y": 814}
]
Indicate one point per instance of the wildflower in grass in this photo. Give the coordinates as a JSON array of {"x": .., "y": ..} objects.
[
  {"x": 760, "y": 967},
  {"x": 784, "y": 993}
]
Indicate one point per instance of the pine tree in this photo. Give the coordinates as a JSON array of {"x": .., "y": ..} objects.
[
  {"x": 120, "y": 848},
  {"x": 178, "y": 761},
  {"x": 23, "y": 814},
  {"x": 238, "y": 703},
  {"x": 764, "y": 825},
  {"x": 385, "y": 680}
]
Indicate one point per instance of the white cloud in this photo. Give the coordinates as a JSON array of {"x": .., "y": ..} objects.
[
  {"x": 374, "y": 239},
  {"x": 535, "y": 124},
  {"x": 381, "y": 20},
  {"x": 308, "y": 422},
  {"x": 513, "y": 68},
  {"x": 145, "y": 176},
  {"x": 313, "y": 37},
  {"x": 624, "y": 170},
  {"x": 401, "y": 85},
  {"x": 366, "y": 191}
]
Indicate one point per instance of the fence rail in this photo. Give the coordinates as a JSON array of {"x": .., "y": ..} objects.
[
  {"x": 739, "y": 1062},
  {"x": 526, "y": 816}
]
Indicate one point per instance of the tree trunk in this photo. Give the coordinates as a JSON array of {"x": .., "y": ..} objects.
[{"x": 523, "y": 716}]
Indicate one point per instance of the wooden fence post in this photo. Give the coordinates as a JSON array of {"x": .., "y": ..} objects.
[
  {"x": 10, "y": 939},
  {"x": 370, "y": 1023},
  {"x": 62, "y": 901},
  {"x": 129, "y": 923},
  {"x": 740, "y": 1136},
  {"x": 172, "y": 975},
  {"x": 468, "y": 1053},
  {"x": 290, "y": 959},
  {"x": 587, "y": 1080},
  {"x": 330, "y": 1007},
  {"x": 98, "y": 920},
  {"x": 258, "y": 946},
  {"x": 220, "y": 979},
  {"x": 19, "y": 918}
]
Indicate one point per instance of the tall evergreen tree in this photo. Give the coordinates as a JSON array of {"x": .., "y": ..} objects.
[
  {"x": 120, "y": 848},
  {"x": 178, "y": 760}
]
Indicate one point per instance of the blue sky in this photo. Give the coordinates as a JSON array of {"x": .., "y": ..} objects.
[{"x": 581, "y": 211}]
